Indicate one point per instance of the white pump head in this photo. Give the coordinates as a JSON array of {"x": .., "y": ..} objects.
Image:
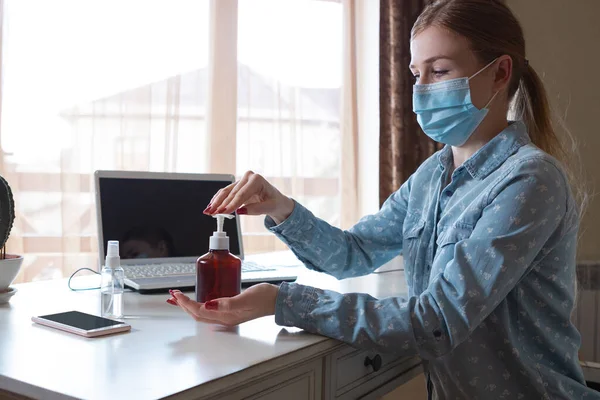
[
  {"x": 112, "y": 254},
  {"x": 219, "y": 240}
]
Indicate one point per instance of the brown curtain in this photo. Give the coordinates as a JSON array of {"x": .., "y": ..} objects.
[{"x": 402, "y": 146}]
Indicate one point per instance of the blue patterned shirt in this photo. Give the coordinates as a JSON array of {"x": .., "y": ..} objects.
[{"x": 489, "y": 254}]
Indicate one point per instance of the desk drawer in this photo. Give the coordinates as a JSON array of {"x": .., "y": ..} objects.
[
  {"x": 303, "y": 382},
  {"x": 355, "y": 373}
]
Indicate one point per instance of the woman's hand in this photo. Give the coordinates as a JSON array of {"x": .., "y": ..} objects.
[
  {"x": 251, "y": 195},
  {"x": 255, "y": 302}
]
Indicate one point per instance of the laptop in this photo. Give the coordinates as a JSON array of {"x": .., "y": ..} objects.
[{"x": 159, "y": 222}]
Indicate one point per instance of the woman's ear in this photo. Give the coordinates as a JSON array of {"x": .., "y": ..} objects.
[{"x": 504, "y": 70}]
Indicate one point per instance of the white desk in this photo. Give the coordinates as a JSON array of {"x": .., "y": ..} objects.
[{"x": 169, "y": 354}]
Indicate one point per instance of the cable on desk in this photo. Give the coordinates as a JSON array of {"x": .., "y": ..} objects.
[
  {"x": 389, "y": 270},
  {"x": 81, "y": 289}
]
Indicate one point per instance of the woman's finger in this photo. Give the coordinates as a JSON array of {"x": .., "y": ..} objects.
[
  {"x": 198, "y": 310},
  {"x": 218, "y": 198},
  {"x": 197, "y": 318},
  {"x": 250, "y": 190},
  {"x": 239, "y": 186},
  {"x": 175, "y": 303},
  {"x": 242, "y": 194},
  {"x": 187, "y": 303},
  {"x": 233, "y": 310}
]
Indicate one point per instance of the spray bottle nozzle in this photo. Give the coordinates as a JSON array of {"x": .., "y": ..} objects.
[{"x": 113, "y": 248}]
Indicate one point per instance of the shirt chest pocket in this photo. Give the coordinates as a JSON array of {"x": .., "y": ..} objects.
[
  {"x": 446, "y": 241},
  {"x": 451, "y": 235},
  {"x": 412, "y": 237}
]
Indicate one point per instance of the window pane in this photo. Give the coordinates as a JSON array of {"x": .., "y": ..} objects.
[
  {"x": 95, "y": 84},
  {"x": 289, "y": 87}
]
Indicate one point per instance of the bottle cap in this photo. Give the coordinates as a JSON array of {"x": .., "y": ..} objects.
[
  {"x": 219, "y": 239},
  {"x": 113, "y": 248}
]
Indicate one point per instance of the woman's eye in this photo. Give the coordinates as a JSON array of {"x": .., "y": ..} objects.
[{"x": 439, "y": 74}]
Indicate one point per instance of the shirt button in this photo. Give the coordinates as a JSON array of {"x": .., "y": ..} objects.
[{"x": 437, "y": 333}]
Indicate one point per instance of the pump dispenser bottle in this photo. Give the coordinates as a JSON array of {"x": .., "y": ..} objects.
[{"x": 218, "y": 272}]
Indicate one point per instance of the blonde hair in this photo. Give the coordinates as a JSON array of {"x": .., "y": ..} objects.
[{"x": 492, "y": 31}]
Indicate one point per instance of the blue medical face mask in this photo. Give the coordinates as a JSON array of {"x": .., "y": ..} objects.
[{"x": 445, "y": 111}]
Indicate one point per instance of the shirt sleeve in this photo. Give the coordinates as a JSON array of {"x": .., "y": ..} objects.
[
  {"x": 525, "y": 210},
  {"x": 372, "y": 242}
]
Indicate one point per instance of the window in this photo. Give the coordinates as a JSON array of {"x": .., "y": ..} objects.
[
  {"x": 289, "y": 103},
  {"x": 123, "y": 84}
]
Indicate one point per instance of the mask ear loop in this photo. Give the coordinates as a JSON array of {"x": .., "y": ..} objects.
[
  {"x": 492, "y": 99},
  {"x": 480, "y": 71},
  {"x": 484, "y": 68}
]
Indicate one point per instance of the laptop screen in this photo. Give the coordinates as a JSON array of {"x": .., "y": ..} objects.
[{"x": 159, "y": 218}]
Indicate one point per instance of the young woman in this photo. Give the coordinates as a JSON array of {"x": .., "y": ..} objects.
[{"x": 487, "y": 228}]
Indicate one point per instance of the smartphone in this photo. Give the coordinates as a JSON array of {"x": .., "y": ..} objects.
[{"x": 82, "y": 324}]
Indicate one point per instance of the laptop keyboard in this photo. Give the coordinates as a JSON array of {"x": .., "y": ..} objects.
[{"x": 160, "y": 270}]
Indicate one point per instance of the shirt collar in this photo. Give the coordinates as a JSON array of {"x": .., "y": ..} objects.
[{"x": 493, "y": 153}]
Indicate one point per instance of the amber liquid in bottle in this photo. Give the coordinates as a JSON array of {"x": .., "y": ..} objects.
[{"x": 218, "y": 274}]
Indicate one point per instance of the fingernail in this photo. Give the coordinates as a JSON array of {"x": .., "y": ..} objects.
[
  {"x": 220, "y": 210},
  {"x": 172, "y": 302},
  {"x": 211, "y": 305},
  {"x": 171, "y": 291},
  {"x": 242, "y": 211}
]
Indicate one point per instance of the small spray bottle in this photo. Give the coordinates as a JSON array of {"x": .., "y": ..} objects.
[
  {"x": 218, "y": 272},
  {"x": 112, "y": 283}
]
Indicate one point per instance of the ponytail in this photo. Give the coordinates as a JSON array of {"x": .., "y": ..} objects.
[{"x": 532, "y": 107}]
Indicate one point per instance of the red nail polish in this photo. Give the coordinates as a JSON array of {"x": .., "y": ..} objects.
[
  {"x": 171, "y": 291},
  {"x": 172, "y": 302},
  {"x": 242, "y": 211},
  {"x": 211, "y": 305},
  {"x": 220, "y": 210}
]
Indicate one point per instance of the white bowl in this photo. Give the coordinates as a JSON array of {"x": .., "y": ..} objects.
[
  {"x": 9, "y": 268},
  {"x": 5, "y": 296}
]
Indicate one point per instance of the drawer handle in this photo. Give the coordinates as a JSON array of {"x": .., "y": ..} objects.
[{"x": 375, "y": 362}]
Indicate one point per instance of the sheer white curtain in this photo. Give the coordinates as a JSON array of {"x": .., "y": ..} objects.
[
  {"x": 176, "y": 86},
  {"x": 289, "y": 106}
]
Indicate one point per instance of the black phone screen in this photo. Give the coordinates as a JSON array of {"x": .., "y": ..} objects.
[{"x": 81, "y": 320}]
